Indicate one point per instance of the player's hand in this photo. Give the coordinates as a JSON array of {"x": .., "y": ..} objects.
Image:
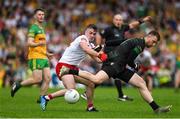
[
  {"x": 42, "y": 43},
  {"x": 49, "y": 55},
  {"x": 147, "y": 18},
  {"x": 103, "y": 56},
  {"x": 98, "y": 48}
]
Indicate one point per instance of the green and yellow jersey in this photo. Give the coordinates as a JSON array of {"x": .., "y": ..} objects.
[
  {"x": 38, "y": 33},
  {"x": 178, "y": 56}
]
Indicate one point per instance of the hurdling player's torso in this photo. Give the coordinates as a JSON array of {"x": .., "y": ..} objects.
[{"x": 74, "y": 54}]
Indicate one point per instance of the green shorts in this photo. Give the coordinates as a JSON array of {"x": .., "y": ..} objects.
[
  {"x": 178, "y": 64},
  {"x": 38, "y": 64}
]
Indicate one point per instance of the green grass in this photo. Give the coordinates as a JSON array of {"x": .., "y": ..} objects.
[{"x": 24, "y": 105}]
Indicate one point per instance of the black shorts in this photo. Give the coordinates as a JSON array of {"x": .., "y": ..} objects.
[{"x": 116, "y": 71}]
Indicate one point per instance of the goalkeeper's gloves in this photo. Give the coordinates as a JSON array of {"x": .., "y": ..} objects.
[
  {"x": 98, "y": 48},
  {"x": 103, "y": 56}
]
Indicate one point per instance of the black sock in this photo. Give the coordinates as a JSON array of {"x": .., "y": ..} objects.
[
  {"x": 19, "y": 84},
  {"x": 74, "y": 72},
  {"x": 153, "y": 105},
  {"x": 119, "y": 88}
]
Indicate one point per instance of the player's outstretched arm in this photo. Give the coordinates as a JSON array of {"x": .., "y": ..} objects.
[
  {"x": 135, "y": 24},
  {"x": 87, "y": 49},
  {"x": 101, "y": 58},
  {"x": 96, "y": 59}
]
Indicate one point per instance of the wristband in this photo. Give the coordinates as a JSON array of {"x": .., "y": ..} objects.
[
  {"x": 98, "y": 48},
  {"x": 140, "y": 21}
]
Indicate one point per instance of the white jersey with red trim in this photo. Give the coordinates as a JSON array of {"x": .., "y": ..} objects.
[{"x": 74, "y": 54}]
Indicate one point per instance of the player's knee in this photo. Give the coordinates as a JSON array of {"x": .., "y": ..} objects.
[
  {"x": 91, "y": 84},
  {"x": 37, "y": 79},
  {"x": 47, "y": 78},
  {"x": 141, "y": 84},
  {"x": 98, "y": 81}
]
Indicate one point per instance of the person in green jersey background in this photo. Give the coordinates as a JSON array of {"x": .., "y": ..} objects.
[{"x": 37, "y": 56}]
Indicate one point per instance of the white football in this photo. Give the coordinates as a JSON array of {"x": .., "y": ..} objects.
[{"x": 71, "y": 96}]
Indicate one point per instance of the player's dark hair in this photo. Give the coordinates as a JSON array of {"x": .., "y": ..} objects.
[
  {"x": 155, "y": 33},
  {"x": 92, "y": 26},
  {"x": 38, "y": 9}
]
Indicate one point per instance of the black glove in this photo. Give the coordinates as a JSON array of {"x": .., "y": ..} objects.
[{"x": 98, "y": 48}]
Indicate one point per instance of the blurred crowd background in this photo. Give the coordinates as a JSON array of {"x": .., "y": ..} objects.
[{"x": 65, "y": 19}]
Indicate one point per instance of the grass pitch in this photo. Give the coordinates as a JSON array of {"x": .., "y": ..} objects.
[{"x": 24, "y": 105}]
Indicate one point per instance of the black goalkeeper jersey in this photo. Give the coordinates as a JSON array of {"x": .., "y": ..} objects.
[
  {"x": 123, "y": 53},
  {"x": 113, "y": 36}
]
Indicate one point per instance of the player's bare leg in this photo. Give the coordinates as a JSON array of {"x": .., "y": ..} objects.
[
  {"x": 36, "y": 78},
  {"x": 98, "y": 78},
  {"x": 69, "y": 83},
  {"x": 89, "y": 92},
  {"x": 137, "y": 81},
  {"x": 46, "y": 81},
  {"x": 45, "y": 85},
  {"x": 177, "y": 80},
  {"x": 149, "y": 83}
]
